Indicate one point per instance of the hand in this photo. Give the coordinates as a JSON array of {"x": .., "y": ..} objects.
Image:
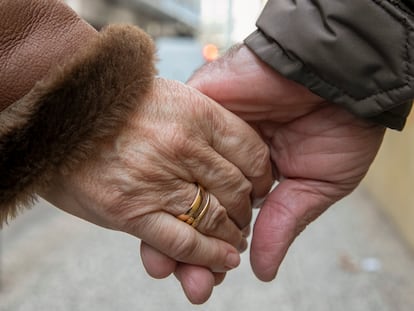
[
  {"x": 319, "y": 151},
  {"x": 142, "y": 179}
]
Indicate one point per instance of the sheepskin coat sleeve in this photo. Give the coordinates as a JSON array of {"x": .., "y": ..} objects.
[{"x": 64, "y": 99}]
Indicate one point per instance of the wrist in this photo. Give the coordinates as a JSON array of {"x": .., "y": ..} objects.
[{"x": 76, "y": 194}]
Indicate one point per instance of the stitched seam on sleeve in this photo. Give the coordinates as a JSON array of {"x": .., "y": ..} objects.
[{"x": 401, "y": 7}]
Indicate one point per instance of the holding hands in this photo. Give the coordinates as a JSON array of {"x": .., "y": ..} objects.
[
  {"x": 146, "y": 176},
  {"x": 319, "y": 154},
  {"x": 319, "y": 151},
  {"x": 85, "y": 125}
]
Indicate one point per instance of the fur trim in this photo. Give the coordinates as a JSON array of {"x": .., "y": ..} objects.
[{"x": 59, "y": 123}]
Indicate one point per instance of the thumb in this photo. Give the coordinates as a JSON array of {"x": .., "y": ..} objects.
[{"x": 291, "y": 206}]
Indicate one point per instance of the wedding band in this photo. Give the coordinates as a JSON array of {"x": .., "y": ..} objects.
[
  {"x": 203, "y": 211},
  {"x": 198, "y": 208}
]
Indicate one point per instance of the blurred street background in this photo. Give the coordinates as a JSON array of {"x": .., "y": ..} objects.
[{"x": 358, "y": 256}]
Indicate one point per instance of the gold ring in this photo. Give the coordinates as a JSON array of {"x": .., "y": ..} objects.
[{"x": 198, "y": 208}]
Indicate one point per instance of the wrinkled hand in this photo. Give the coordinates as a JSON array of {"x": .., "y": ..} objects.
[
  {"x": 143, "y": 178},
  {"x": 319, "y": 151}
]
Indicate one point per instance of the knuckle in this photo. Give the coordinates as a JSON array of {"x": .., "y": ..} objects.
[
  {"x": 261, "y": 163},
  {"x": 233, "y": 177},
  {"x": 217, "y": 219},
  {"x": 246, "y": 188},
  {"x": 186, "y": 148},
  {"x": 186, "y": 248},
  {"x": 237, "y": 200},
  {"x": 241, "y": 195},
  {"x": 241, "y": 210},
  {"x": 236, "y": 182}
]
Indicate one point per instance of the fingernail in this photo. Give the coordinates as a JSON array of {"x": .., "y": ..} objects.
[{"x": 232, "y": 260}]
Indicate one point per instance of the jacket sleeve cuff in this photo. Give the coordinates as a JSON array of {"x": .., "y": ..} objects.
[
  {"x": 329, "y": 47},
  {"x": 61, "y": 121}
]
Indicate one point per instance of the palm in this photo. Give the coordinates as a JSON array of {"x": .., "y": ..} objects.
[{"x": 319, "y": 158}]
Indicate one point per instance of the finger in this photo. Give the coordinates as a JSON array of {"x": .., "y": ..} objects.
[
  {"x": 157, "y": 265},
  {"x": 287, "y": 211},
  {"x": 223, "y": 180},
  {"x": 243, "y": 147},
  {"x": 252, "y": 155},
  {"x": 216, "y": 222},
  {"x": 197, "y": 282},
  {"x": 231, "y": 161},
  {"x": 183, "y": 243}
]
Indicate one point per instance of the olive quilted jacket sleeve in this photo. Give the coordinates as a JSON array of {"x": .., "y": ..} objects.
[{"x": 356, "y": 53}]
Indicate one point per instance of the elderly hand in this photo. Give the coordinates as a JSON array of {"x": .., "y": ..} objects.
[
  {"x": 146, "y": 176},
  {"x": 319, "y": 151}
]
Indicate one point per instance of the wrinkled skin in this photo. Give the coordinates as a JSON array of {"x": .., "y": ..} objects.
[
  {"x": 319, "y": 152},
  {"x": 140, "y": 180}
]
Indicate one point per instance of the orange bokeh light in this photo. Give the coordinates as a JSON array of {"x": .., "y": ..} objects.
[{"x": 210, "y": 52}]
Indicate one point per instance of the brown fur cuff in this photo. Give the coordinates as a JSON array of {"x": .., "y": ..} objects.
[{"x": 59, "y": 122}]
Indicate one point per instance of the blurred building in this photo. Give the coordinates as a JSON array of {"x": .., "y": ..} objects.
[
  {"x": 221, "y": 22},
  {"x": 225, "y": 22},
  {"x": 157, "y": 17}
]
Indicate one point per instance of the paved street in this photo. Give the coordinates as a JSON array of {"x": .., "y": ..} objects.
[{"x": 350, "y": 259}]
